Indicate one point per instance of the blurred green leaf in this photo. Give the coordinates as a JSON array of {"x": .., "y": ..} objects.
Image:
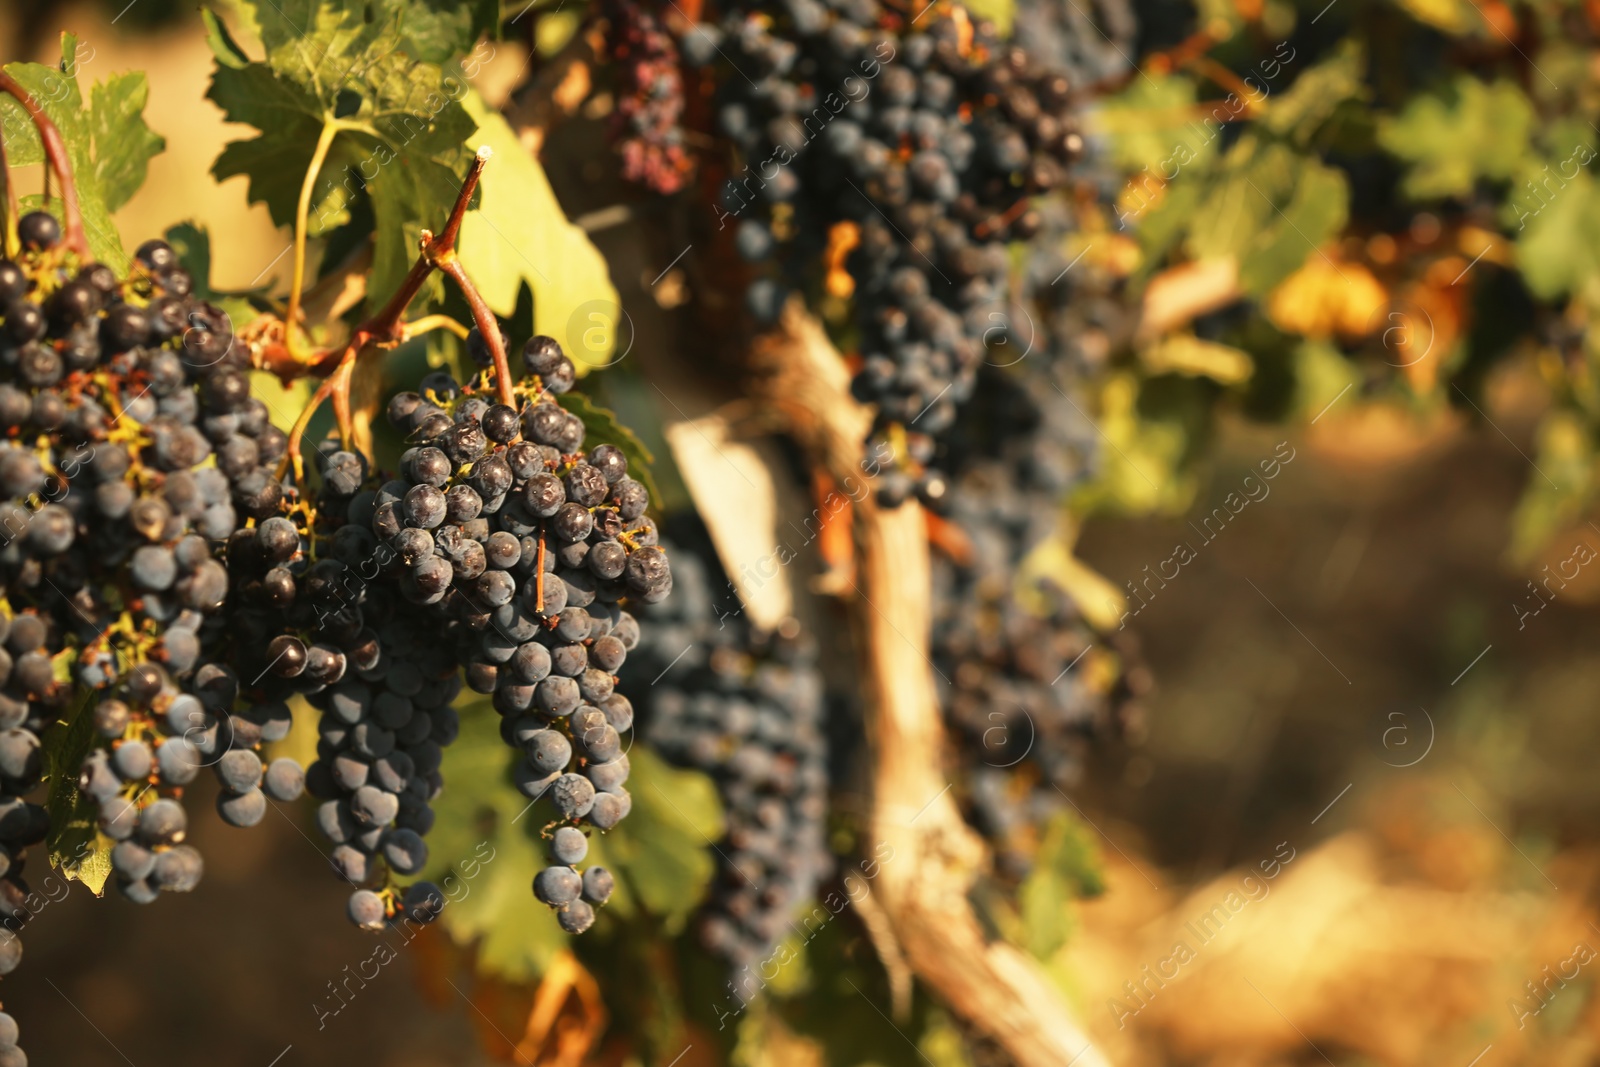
[
  {"x": 1561, "y": 488},
  {"x": 1066, "y": 868},
  {"x": 519, "y": 235},
  {"x": 1164, "y": 226},
  {"x": 1142, "y": 471},
  {"x": 486, "y": 847},
  {"x": 1269, "y": 208},
  {"x": 1156, "y": 123},
  {"x": 484, "y": 854},
  {"x": 1462, "y": 132},
  {"x": 662, "y": 851},
  {"x": 1321, "y": 374},
  {"x": 1312, "y": 98},
  {"x": 1558, "y": 243}
]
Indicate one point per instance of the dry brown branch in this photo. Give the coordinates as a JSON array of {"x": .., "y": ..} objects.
[
  {"x": 924, "y": 882},
  {"x": 557, "y": 91}
]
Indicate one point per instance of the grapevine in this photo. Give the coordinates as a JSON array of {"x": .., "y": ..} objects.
[{"x": 324, "y": 612}]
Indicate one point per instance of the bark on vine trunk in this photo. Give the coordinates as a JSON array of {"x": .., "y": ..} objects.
[{"x": 996, "y": 988}]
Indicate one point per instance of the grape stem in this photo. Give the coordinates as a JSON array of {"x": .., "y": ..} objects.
[
  {"x": 487, "y": 326},
  {"x": 426, "y": 323},
  {"x": 386, "y": 328},
  {"x": 55, "y": 154}
]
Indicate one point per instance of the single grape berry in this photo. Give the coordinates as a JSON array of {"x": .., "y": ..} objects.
[{"x": 38, "y": 230}]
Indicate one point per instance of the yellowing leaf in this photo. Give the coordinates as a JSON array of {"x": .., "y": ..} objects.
[
  {"x": 1052, "y": 561},
  {"x": 1324, "y": 298},
  {"x": 1455, "y": 17},
  {"x": 520, "y": 236},
  {"x": 75, "y": 845},
  {"x": 1189, "y": 355}
]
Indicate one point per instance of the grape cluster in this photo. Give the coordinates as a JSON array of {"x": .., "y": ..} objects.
[
  {"x": 129, "y": 437},
  {"x": 312, "y": 616},
  {"x": 23, "y": 824},
  {"x": 129, "y": 443},
  {"x": 905, "y": 157},
  {"x": 1092, "y": 43},
  {"x": 382, "y": 736},
  {"x": 1027, "y": 685},
  {"x": 526, "y": 548},
  {"x": 10, "y": 1054},
  {"x": 746, "y": 708},
  {"x": 646, "y": 124}
]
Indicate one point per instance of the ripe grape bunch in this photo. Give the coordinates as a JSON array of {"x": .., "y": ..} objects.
[
  {"x": 131, "y": 444},
  {"x": 903, "y": 158},
  {"x": 527, "y": 549},
  {"x": 745, "y": 707},
  {"x": 311, "y": 617}
]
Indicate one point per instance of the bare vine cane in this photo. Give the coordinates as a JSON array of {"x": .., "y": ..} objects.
[{"x": 932, "y": 855}]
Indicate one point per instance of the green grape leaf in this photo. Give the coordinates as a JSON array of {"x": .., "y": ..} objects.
[
  {"x": 1269, "y": 208},
  {"x": 484, "y": 854},
  {"x": 1046, "y": 923},
  {"x": 123, "y": 144},
  {"x": 520, "y": 236},
  {"x": 394, "y": 125},
  {"x": 1067, "y": 867},
  {"x": 224, "y": 48},
  {"x": 436, "y": 30},
  {"x": 602, "y": 427},
  {"x": 1157, "y": 123},
  {"x": 1301, "y": 109},
  {"x": 662, "y": 851},
  {"x": 107, "y": 141},
  {"x": 486, "y": 848},
  {"x": 75, "y": 845},
  {"x": 1558, "y": 238},
  {"x": 1465, "y": 131}
]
